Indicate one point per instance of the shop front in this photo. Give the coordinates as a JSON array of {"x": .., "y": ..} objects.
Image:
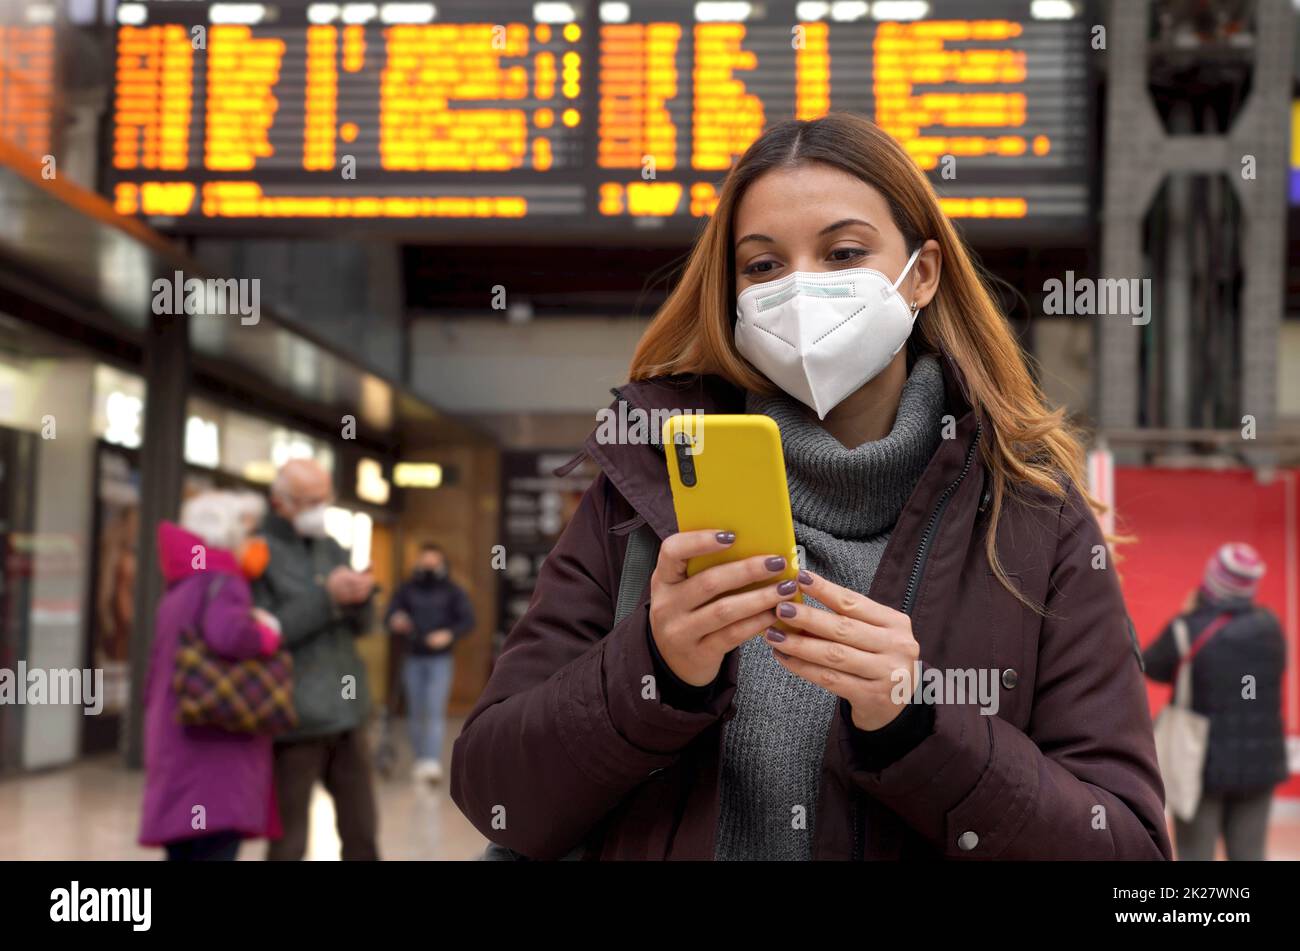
[{"x": 112, "y": 414}]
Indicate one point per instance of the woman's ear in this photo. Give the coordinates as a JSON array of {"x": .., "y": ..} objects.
[{"x": 925, "y": 274}]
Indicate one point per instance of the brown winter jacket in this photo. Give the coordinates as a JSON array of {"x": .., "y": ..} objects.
[{"x": 564, "y": 748}]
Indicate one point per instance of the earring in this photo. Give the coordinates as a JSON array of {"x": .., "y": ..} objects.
[{"x": 914, "y": 308}]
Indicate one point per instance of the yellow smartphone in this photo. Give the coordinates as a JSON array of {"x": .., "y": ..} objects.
[{"x": 727, "y": 473}]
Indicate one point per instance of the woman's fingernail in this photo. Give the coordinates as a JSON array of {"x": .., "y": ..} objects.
[
  {"x": 805, "y": 578},
  {"x": 786, "y": 609},
  {"x": 775, "y": 636},
  {"x": 725, "y": 538},
  {"x": 775, "y": 563},
  {"x": 786, "y": 588}
]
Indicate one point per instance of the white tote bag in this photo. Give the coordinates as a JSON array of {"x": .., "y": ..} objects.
[{"x": 1182, "y": 737}]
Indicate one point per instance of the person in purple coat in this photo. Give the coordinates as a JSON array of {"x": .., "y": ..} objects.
[{"x": 206, "y": 789}]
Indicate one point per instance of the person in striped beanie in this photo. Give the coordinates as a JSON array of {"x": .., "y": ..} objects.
[
  {"x": 1236, "y": 642},
  {"x": 1232, "y": 574}
]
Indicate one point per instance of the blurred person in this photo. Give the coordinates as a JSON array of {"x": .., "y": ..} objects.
[
  {"x": 227, "y": 774},
  {"x": 942, "y": 509},
  {"x": 323, "y": 606},
  {"x": 254, "y": 555},
  {"x": 1232, "y": 639},
  {"x": 115, "y": 590},
  {"x": 433, "y": 612}
]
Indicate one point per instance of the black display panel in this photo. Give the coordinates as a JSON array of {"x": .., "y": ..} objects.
[{"x": 560, "y": 120}]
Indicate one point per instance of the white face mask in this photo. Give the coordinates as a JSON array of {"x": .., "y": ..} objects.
[
  {"x": 310, "y": 523},
  {"x": 820, "y": 335}
]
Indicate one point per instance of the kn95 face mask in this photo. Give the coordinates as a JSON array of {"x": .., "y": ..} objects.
[{"x": 820, "y": 335}]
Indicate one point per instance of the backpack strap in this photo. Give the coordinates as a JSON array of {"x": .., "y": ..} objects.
[
  {"x": 1133, "y": 641},
  {"x": 638, "y": 564}
]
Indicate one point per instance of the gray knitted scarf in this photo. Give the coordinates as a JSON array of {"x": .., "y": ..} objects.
[{"x": 845, "y": 503}]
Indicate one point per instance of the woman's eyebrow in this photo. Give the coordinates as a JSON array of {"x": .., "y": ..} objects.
[{"x": 844, "y": 222}]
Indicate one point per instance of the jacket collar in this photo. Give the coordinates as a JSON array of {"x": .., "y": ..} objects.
[
  {"x": 639, "y": 470},
  {"x": 1212, "y": 606},
  {"x": 712, "y": 394},
  {"x": 276, "y": 526}
]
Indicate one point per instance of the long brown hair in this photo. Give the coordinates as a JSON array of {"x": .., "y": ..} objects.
[{"x": 1028, "y": 443}]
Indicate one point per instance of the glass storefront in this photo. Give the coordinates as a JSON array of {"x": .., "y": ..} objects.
[
  {"x": 71, "y": 428},
  {"x": 17, "y": 480},
  {"x": 49, "y": 447}
]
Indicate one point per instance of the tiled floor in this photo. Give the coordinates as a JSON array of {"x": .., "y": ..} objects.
[{"x": 91, "y": 811}]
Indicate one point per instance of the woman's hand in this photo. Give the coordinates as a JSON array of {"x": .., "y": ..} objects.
[
  {"x": 859, "y": 650},
  {"x": 695, "y": 621}
]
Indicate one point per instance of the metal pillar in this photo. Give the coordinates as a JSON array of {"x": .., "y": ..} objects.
[
  {"x": 1139, "y": 154},
  {"x": 162, "y": 469},
  {"x": 1176, "y": 314}
]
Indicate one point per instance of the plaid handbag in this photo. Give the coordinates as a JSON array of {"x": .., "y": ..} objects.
[{"x": 240, "y": 696}]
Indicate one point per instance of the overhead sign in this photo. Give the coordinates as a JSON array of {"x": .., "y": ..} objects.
[{"x": 582, "y": 117}]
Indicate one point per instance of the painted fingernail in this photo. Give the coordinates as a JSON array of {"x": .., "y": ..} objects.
[
  {"x": 786, "y": 609},
  {"x": 725, "y": 538},
  {"x": 805, "y": 578},
  {"x": 786, "y": 588},
  {"x": 775, "y": 636},
  {"x": 775, "y": 563}
]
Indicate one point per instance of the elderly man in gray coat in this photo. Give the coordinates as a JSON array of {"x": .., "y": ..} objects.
[{"x": 322, "y": 605}]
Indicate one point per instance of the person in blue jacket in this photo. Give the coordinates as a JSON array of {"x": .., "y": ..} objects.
[{"x": 432, "y": 612}]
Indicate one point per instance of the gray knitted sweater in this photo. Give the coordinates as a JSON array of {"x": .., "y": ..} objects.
[{"x": 845, "y": 503}]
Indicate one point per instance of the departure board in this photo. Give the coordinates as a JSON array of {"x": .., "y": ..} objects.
[
  {"x": 27, "y": 55},
  {"x": 577, "y": 118}
]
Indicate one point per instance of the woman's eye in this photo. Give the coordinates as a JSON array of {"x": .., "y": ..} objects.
[
  {"x": 760, "y": 267},
  {"x": 846, "y": 254}
]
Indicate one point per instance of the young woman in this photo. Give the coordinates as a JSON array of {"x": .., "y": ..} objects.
[{"x": 940, "y": 507}]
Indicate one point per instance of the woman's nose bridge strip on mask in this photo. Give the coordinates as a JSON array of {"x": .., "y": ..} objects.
[{"x": 806, "y": 289}]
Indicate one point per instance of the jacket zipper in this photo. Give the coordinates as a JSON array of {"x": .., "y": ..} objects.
[
  {"x": 923, "y": 551},
  {"x": 909, "y": 599}
]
